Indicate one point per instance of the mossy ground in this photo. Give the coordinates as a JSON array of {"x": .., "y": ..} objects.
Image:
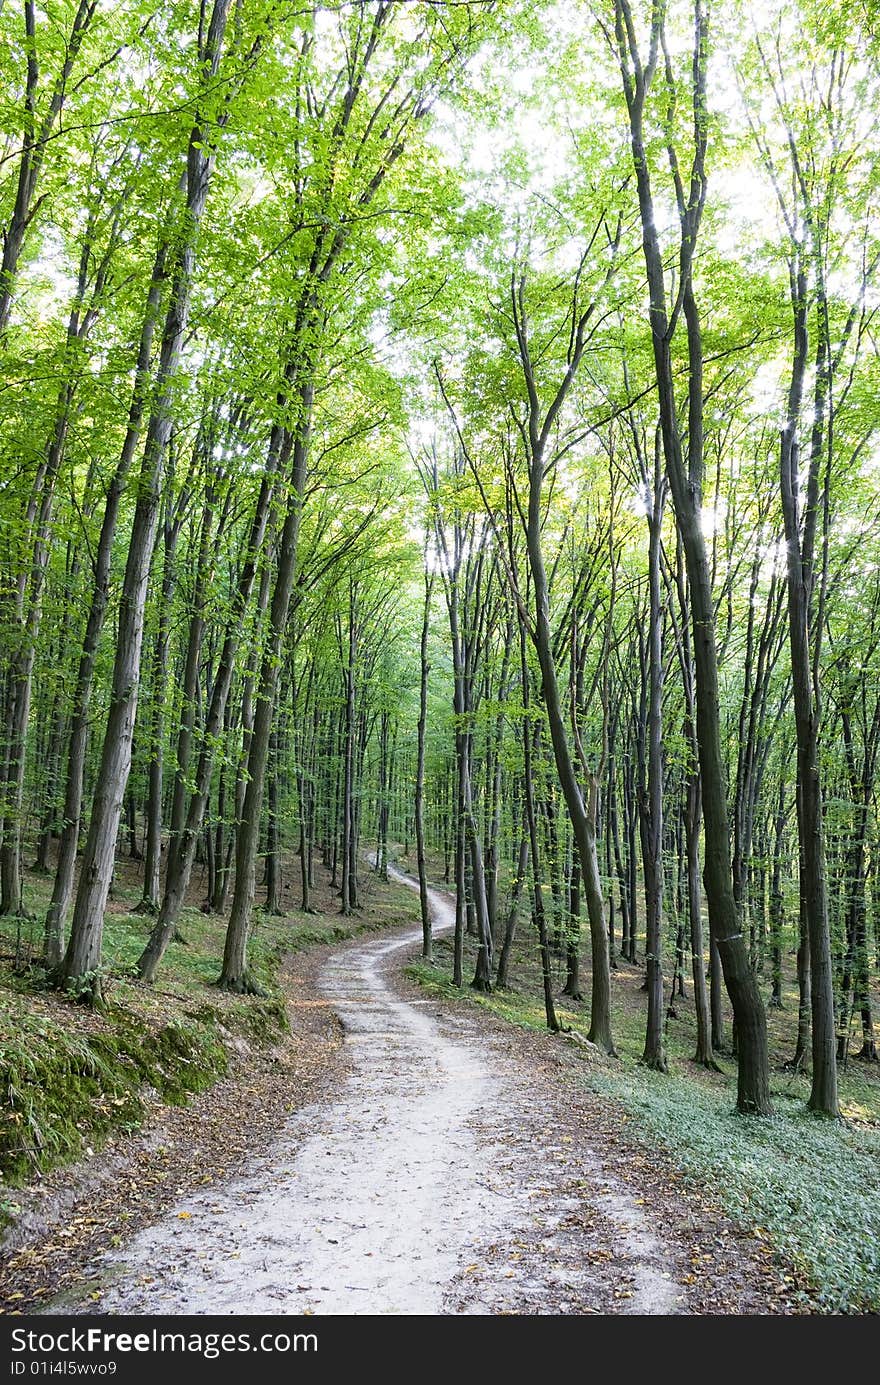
[
  {"x": 70, "y": 1076},
  {"x": 810, "y": 1186}
]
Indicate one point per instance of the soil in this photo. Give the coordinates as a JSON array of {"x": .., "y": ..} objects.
[{"x": 395, "y": 1155}]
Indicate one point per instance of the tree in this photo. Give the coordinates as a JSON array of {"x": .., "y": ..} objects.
[
  {"x": 684, "y": 468},
  {"x": 83, "y": 954}
]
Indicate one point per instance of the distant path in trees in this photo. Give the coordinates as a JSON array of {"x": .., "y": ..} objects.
[{"x": 442, "y": 1179}]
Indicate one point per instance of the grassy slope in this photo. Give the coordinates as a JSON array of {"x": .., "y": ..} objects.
[{"x": 69, "y": 1076}]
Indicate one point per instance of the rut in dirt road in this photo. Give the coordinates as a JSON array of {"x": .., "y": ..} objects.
[{"x": 421, "y": 1189}]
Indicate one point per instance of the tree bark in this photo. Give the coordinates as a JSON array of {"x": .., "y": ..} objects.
[
  {"x": 531, "y": 739},
  {"x": 153, "y": 848},
  {"x": 424, "y": 671},
  {"x": 502, "y": 975},
  {"x": 823, "y": 1091},
  {"x": 182, "y": 847}
]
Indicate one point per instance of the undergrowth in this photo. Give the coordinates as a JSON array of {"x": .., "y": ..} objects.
[{"x": 809, "y": 1185}]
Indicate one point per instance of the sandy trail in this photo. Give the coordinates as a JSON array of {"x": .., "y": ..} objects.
[{"x": 433, "y": 1183}]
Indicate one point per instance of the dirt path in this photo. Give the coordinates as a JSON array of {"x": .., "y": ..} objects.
[{"x": 440, "y": 1179}]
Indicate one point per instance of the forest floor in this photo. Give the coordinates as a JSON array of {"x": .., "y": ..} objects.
[
  {"x": 805, "y": 1187},
  {"x": 93, "y": 1144},
  {"x": 394, "y": 1153}
]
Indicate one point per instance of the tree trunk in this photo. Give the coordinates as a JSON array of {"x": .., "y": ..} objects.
[
  {"x": 685, "y": 482},
  {"x": 153, "y": 851},
  {"x": 823, "y": 1092},
  {"x": 572, "y": 985},
  {"x": 622, "y": 878},
  {"x": 235, "y": 975},
  {"x": 425, "y": 669},
  {"x": 654, "y": 1055},
  {"x": 182, "y": 848},
  {"x": 802, "y": 1043},
  {"x": 704, "y": 1054},
  {"x": 383, "y": 794},
  {"x": 776, "y": 901},
  {"x": 582, "y": 815},
  {"x": 348, "y": 676},
  {"x": 62, "y": 892},
  {"x": 48, "y": 826},
  {"x": 531, "y": 739},
  {"x": 273, "y": 845},
  {"x": 502, "y": 975}
]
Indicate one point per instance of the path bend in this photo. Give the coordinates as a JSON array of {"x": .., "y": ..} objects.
[{"x": 435, "y": 1181}]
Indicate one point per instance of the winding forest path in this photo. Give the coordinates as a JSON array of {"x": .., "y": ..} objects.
[{"x": 439, "y": 1178}]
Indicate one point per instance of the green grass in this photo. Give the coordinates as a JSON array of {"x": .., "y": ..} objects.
[
  {"x": 514, "y": 1006},
  {"x": 810, "y": 1186}
]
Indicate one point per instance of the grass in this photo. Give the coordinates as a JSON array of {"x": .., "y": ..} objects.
[
  {"x": 809, "y": 1186},
  {"x": 812, "y": 1186},
  {"x": 65, "y": 1087}
]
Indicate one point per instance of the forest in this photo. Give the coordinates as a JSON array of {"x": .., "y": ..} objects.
[{"x": 440, "y": 486}]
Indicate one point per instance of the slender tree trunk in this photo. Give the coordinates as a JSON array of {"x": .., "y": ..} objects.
[
  {"x": 153, "y": 850},
  {"x": 582, "y": 815},
  {"x": 609, "y": 860},
  {"x": 502, "y": 976},
  {"x": 572, "y": 985},
  {"x": 182, "y": 848},
  {"x": 273, "y": 844},
  {"x": 235, "y": 975},
  {"x": 22, "y": 665},
  {"x": 776, "y": 900},
  {"x": 483, "y": 974},
  {"x": 348, "y": 675},
  {"x": 50, "y": 812},
  {"x": 704, "y": 1054},
  {"x": 802, "y": 1043},
  {"x": 654, "y": 1055},
  {"x": 425, "y": 669},
  {"x": 190, "y": 690},
  {"x": 304, "y": 782},
  {"x": 531, "y": 739},
  {"x": 622, "y": 880},
  {"x": 460, "y": 871},
  {"x": 62, "y": 893},
  {"x": 383, "y": 798},
  {"x": 823, "y": 1093}
]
